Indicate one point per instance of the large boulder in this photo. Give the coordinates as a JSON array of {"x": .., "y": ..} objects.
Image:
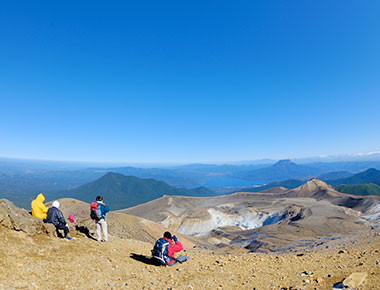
[
  {"x": 355, "y": 279},
  {"x": 18, "y": 219}
]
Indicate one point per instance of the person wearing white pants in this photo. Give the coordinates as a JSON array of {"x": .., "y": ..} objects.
[
  {"x": 101, "y": 226},
  {"x": 98, "y": 213}
]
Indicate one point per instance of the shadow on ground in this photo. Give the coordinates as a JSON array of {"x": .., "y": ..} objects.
[
  {"x": 84, "y": 230},
  {"x": 145, "y": 259}
]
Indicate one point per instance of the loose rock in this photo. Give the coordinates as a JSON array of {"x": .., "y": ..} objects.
[{"x": 355, "y": 279}]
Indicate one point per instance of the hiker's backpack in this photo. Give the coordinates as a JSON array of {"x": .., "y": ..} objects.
[
  {"x": 160, "y": 251},
  {"x": 95, "y": 213}
]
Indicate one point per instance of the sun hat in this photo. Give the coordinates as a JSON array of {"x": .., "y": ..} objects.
[{"x": 71, "y": 218}]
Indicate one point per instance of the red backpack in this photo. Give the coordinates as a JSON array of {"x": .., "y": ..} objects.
[{"x": 95, "y": 214}]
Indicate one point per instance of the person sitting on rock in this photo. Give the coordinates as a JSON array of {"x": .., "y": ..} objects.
[
  {"x": 39, "y": 210},
  {"x": 55, "y": 217},
  {"x": 165, "y": 248}
]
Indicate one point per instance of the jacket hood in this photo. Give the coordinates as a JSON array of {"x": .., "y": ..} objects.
[
  {"x": 40, "y": 197},
  {"x": 170, "y": 241}
]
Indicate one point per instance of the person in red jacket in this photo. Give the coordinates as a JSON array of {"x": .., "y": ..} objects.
[{"x": 165, "y": 249}]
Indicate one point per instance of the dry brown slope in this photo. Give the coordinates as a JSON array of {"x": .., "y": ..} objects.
[
  {"x": 51, "y": 263},
  {"x": 157, "y": 209},
  {"x": 320, "y": 190},
  {"x": 120, "y": 225}
]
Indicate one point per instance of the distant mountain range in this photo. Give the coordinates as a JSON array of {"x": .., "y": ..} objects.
[
  {"x": 288, "y": 183},
  {"x": 334, "y": 175},
  {"x": 362, "y": 183},
  {"x": 283, "y": 169},
  {"x": 120, "y": 191},
  {"x": 20, "y": 180},
  {"x": 371, "y": 175}
]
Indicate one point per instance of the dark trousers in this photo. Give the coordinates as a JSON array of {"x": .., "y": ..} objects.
[
  {"x": 179, "y": 259},
  {"x": 62, "y": 227}
]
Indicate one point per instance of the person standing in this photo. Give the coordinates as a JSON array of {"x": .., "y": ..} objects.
[
  {"x": 98, "y": 213},
  {"x": 55, "y": 217},
  {"x": 39, "y": 210}
]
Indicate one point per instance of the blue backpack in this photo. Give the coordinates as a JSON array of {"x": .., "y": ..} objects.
[{"x": 160, "y": 251}]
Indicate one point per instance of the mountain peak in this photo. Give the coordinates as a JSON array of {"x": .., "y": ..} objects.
[
  {"x": 113, "y": 175},
  {"x": 121, "y": 191},
  {"x": 371, "y": 171},
  {"x": 284, "y": 162},
  {"x": 316, "y": 183},
  {"x": 314, "y": 187}
]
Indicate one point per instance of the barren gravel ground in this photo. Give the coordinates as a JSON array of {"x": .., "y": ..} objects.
[{"x": 52, "y": 263}]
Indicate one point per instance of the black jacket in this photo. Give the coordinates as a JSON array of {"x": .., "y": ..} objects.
[{"x": 55, "y": 216}]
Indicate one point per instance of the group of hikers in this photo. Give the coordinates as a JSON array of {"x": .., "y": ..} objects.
[
  {"x": 163, "y": 251},
  {"x": 54, "y": 216}
]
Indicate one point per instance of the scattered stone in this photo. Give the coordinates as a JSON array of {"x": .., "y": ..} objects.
[
  {"x": 337, "y": 286},
  {"x": 111, "y": 284},
  {"x": 319, "y": 280},
  {"x": 306, "y": 281},
  {"x": 341, "y": 252},
  {"x": 355, "y": 279},
  {"x": 307, "y": 272}
]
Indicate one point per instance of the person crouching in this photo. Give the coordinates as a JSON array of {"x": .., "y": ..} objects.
[{"x": 165, "y": 248}]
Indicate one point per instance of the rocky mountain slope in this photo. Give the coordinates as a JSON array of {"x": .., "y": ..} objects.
[
  {"x": 37, "y": 261},
  {"x": 266, "y": 221},
  {"x": 120, "y": 225}
]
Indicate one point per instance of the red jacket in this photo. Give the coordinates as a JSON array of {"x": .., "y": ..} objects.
[{"x": 172, "y": 249}]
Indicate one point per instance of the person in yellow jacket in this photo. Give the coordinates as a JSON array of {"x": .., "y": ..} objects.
[{"x": 39, "y": 210}]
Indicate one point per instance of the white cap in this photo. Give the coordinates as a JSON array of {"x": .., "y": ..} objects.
[{"x": 55, "y": 204}]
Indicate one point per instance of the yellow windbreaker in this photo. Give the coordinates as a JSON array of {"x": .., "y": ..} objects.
[{"x": 39, "y": 210}]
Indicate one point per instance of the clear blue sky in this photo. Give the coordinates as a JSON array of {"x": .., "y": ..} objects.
[{"x": 188, "y": 81}]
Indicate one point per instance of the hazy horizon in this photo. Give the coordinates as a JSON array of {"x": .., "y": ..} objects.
[{"x": 367, "y": 156}]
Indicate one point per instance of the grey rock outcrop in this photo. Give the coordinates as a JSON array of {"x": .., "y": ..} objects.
[{"x": 18, "y": 219}]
